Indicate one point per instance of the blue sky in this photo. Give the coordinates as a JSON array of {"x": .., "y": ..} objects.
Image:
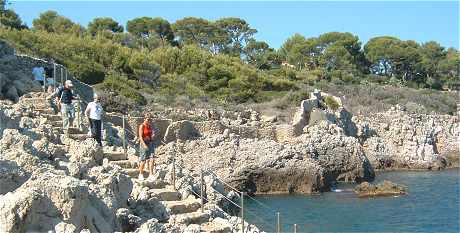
[{"x": 275, "y": 20}]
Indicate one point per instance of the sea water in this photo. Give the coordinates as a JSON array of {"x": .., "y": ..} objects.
[{"x": 432, "y": 205}]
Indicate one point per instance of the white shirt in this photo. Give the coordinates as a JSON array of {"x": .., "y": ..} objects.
[
  {"x": 39, "y": 73},
  {"x": 95, "y": 110}
]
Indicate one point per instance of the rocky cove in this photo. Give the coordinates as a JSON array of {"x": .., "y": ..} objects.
[{"x": 51, "y": 182}]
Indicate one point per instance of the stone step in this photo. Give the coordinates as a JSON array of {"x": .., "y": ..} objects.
[
  {"x": 52, "y": 117},
  {"x": 189, "y": 218},
  {"x": 188, "y": 205},
  {"x": 220, "y": 226},
  {"x": 39, "y": 105},
  {"x": 134, "y": 172},
  {"x": 125, "y": 163},
  {"x": 166, "y": 194},
  {"x": 44, "y": 110},
  {"x": 114, "y": 156},
  {"x": 155, "y": 184},
  {"x": 72, "y": 130},
  {"x": 78, "y": 136},
  {"x": 34, "y": 100},
  {"x": 57, "y": 123}
]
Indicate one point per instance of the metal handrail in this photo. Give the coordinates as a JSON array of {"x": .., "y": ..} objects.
[
  {"x": 207, "y": 170},
  {"x": 226, "y": 198}
]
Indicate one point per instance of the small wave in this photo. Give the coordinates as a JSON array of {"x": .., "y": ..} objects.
[{"x": 341, "y": 190}]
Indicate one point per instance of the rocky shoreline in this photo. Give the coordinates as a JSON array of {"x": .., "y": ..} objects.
[
  {"x": 385, "y": 188},
  {"x": 54, "y": 183}
]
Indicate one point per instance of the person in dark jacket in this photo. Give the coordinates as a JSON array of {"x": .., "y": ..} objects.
[{"x": 64, "y": 97}]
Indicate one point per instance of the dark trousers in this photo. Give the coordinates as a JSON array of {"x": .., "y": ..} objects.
[{"x": 96, "y": 130}]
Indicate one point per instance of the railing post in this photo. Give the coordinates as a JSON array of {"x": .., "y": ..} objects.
[
  {"x": 174, "y": 173},
  {"x": 44, "y": 82},
  {"x": 295, "y": 228},
  {"x": 202, "y": 191},
  {"x": 66, "y": 72},
  {"x": 54, "y": 76},
  {"x": 62, "y": 75},
  {"x": 278, "y": 225},
  {"x": 242, "y": 212},
  {"x": 79, "y": 114},
  {"x": 124, "y": 136}
]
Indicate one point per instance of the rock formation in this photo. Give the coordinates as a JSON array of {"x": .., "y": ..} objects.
[
  {"x": 396, "y": 139},
  {"x": 50, "y": 182},
  {"x": 69, "y": 184},
  {"x": 386, "y": 188}
]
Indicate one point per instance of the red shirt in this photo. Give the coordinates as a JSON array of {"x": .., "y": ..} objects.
[{"x": 147, "y": 132}]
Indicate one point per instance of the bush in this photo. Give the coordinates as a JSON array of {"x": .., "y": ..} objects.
[
  {"x": 331, "y": 103},
  {"x": 133, "y": 95},
  {"x": 89, "y": 73}
]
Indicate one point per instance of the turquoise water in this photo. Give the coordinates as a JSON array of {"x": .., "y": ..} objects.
[{"x": 431, "y": 206}]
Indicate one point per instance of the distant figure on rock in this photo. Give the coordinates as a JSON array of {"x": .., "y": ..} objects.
[
  {"x": 39, "y": 75},
  {"x": 146, "y": 147},
  {"x": 94, "y": 114},
  {"x": 64, "y": 97}
]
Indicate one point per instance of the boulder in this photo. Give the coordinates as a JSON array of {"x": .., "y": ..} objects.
[
  {"x": 151, "y": 226},
  {"x": 63, "y": 227},
  {"x": 86, "y": 152},
  {"x": 5, "y": 49},
  {"x": 11, "y": 176},
  {"x": 396, "y": 139},
  {"x": 183, "y": 130},
  {"x": 386, "y": 188},
  {"x": 45, "y": 201},
  {"x": 127, "y": 221}
]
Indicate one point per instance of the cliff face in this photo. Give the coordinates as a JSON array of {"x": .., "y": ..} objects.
[
  {"x": 321, "y": 146},
  {"x": 396, "y": 139}
]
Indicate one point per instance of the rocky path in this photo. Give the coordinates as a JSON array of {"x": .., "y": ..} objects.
[{"x": 181, "y": 211}]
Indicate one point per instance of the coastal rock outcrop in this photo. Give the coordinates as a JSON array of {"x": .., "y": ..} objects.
[
  {"x": 385, "y": 188},
  {"x": 265, "y": 166},
  {"x": 397, "y": 139}
]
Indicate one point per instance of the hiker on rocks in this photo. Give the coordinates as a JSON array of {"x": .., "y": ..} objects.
[
  {"x": 146, "y": 147},
  {"x": 94, "y": 114},
  {"x": 39, "y": 75},
  {"x": 64, "y": 97}
]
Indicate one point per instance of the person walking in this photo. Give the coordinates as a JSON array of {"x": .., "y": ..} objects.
[
  {"x": 39, "y": 75},
  {"x": 94, "y": 114},
  {"x": 146, "y": 147},
  {"x": 64, "y": 97}
]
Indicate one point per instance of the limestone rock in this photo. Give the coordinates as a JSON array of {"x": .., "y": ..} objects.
[
  {"x": 396, "y": 139},
  {"x": 127, "y": 221},
  {"x": 386, "y": 188},
  {"x": 11, "y": 176},
  {"x": 182, "y": 130},
  {"x": 151, "y": 226},
  {"x": 86, "y": 152},
  {"x": 5, "y": 49},
  {"x": 45, "y": 201},
  {"x": 63, "y": 227}
]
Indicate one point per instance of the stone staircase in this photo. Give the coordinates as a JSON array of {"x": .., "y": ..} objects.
[{"x": 182, "y": 211}]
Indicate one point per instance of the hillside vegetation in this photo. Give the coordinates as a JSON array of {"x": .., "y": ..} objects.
[{"x": 155, "y": 61}]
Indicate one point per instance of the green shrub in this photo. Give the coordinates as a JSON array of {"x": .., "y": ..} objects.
[
  {"x": 88, "y": 73},
  {"x": 331, "y": 103},
  {"x": 133, "y": 95}
]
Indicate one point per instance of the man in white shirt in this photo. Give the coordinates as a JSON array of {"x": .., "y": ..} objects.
[{"x": 94, "y": 113}]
